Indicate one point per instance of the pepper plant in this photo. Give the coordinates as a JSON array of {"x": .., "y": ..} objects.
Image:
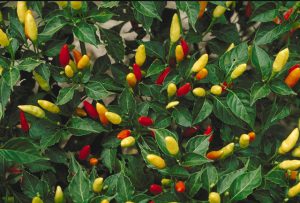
[{"x": 186, "y": 102}]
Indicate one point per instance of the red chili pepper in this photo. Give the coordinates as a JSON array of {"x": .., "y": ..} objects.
[
  {"x": 190, "y": 131},
  {"x": 151, "y": 201},
  {"x": 208, "y": 130},
  {"x": 23, "y": 121},
  {"x": 180, "y": 187},
  {"x": 163, "y": 76},
  {"x": 224, "y": 86},
  {"x": 248, "y": 10},
  {"x": 288, "y": 13},
  {"x": 185, "y": 47},
  {"x": 64, "y": 56},
  {"x": 184, "y": 89},
  {"x": 137, "y": 71},
  {"x": 294, "y": 67},
  {"x": 84, "y": 152},
  {"x": 155, "y": 189},
  {"x": 211, "y": 138},
  {"x": 90, "y": 109},
  {"x": 152, "y": 133},
  {"x": 14, "y": 170},
  {"x": 123, "y": 134},
  {"x": 145, "y": 121}
]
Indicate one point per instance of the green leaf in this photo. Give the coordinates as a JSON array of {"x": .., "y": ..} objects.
[
  {"x": 198, "y": 144},
  {"x": 80, "y": 127},
  {"x": 52, "y": 26},
  {"x": 5, "y": 92},
  {"x": 43, "y": 70},
  {"x": 65, "y": 95},
  {"x": 266, "y": 16},
  {"x": 194, "y": 183},
  {"x": 11, "y": 77},
  {"x": 125, "y": 188},
  {"x": 204, "y": 112},
  {"x": 147, "y": 8},
  {"x": 155, "y": 49},
  {"x": 108, "y": 158},
  {"x": 32, "y": 185},
  {"x": 193, "y": 159},
  {"x": 144, "y": 20},
  {"x": 52, "y": 139},
  {"x": 113, "y": 43},
  {"x": 276, "y": 176},
  {"x": 279, "y": 87},
  {"x": 192, "y": 10},
  {"x": 85, "y": 32},
  {"x": 155, "y": 68},
  {"x": 54, "y": 48},
  {"x": 96, "y": 90},
  {"x": 160, "y": 135},
  {"x": 101, "y": 16},
  {"x": 259, "y": 91},
  {"x": 127, "y": 102},
  {"x": 209, "y": 177},
  {"x": 16, "y": 28},
  {"x": 28, "y": 64},
  {"x": 261, "y": 61},
  {"x": 182, "y": 116}
]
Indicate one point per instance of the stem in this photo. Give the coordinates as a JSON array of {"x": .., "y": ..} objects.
[
  {"x": 209, "y": 27},
  {"x": 82, "y": 47}
]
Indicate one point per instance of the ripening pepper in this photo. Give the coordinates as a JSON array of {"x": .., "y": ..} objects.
[
  {"x": 41, "y": 81},
  {"x": 293, "y": 68},
  {"x": 288, "y": 13},
  {"x": 199, "y": 92},
  {"x": 73, "y": 66},
  {"x": 156, "y": 161},
  {"x": 180, "y": 187},
  {"x": 49, "y": 106},
  {"x": 101, "y": 110},
  {"x": 3, "y": 39},
  {"x": 62, "y": 4},
  {"x": 219, "y": 11},
  {"x": 294, "y": 191},
  {"x": 185, "y": 47},
  {"x": 140, "y": 55},
  {"x": 244, "y": 141},
  {"x": 289, "y": 143},
  {"x": 77, "y": 55},
  {"x": 171, "y": 145},
  {"x": 172, "y": 104},
  {"x": 190, "y": 131},
  {"x": 289, "y": 165},
  {"x": 69, "y": 71},
  {"x": 179, "y": 54},
  {"x": 280, "y": 60},
  {"x": 214, "y": 197},
  {"x": 113, "y": 118},
  {"x": 33, "y": 110},
  {"x": 292, "y": 175},
  {"x": 93, "y": 161},
  {"x": 155, "y": 189},
  {"x": 23, "y": 121},
  {"x": 231, "y": 46},
  {"x": 216, "y": 89},
  {"x": 252, "y": 136},
  {"x": 183, "y": 90},
  {"x": 277, "y": 20},
  {"x": 30, "y": 27},
  {"x": 214, "y": 155},
  {"x": 145, "y": 121},
  {"x": 238, "y": 71},
  {"x": 162, "y": 76},
  {"x": 296, "y": 152},
  {"x": 98, "y": 185},
  {"x": 37, "y": 199},
  {"x": 171, "y": 89},
  {"x": 292, "y": 78},
  {"x": 80, "y": 112},
  {"x": 76, "y": 5},
  {"x": 128, "y": 142},
  {"x": 131, "y": 80},
  {"x": 21, "y": 10},
  {"x": 200, "y": 63},
  {"x": 137, "y": 71},
  {"x": 64, "y": 57},
  {"x": 59, "y": 195},
  {"x": 84, "y": 152},
  {"x": 228, "y": 150},
  {"x": 83, "y": 62},
  {"x": 203, "y": 5},
  {"x": 123, "y": 134},
  {"x": 104, "y": 201},
  {"x": 202, "y": 74},
  {"x": 90, "y": 109},
  {"x": 175, "y": 29},
  {"x": 166, "y": 181}
]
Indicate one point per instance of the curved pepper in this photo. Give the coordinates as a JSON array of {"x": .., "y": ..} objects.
[
  {"x": 101, "y": 110},
  {"x": 238, "y": 71},
  {"x": 128, "y": 142},
  {"x": 180, "y": 187},
  {"x": 140, "y": 55},
  {"x": 69, "y": 71},
  {"x": 37, "y": 199},
  {"x": 289, "y": 143},
  {"x": 123, "y": 134},
  {"x": 90, "y": 109},
  {"x": 31, "y": 31},
  {"x": 289, "y": 165},
  {"x": 171, "y": 89},
  {"x": 41, "y": 81},
  {"x": 59, "y": 195},
  {"x": 83, "y": 62},
  {"x": 185, "y": 47},
  {"x": 98, "y": 185},
  {"x": 199, "y": 92},
  {"x": 137, "y": 71},
  {"x": 131, "y": 80},
  {"x": 214, "y": 197},
  {"x": 203, "y": 5},
  {"x": 171, "y": 145},
  {"x": 64, "y": 56},
  {"x": 280, "y": 60},
  {"x": 175, "y": 29},
  {"x": 172, "y": 104},
  {"x": 184, "y": 89},
  {"x": 33, "y": 110},
  {"x": 228, "y": 150},
  {"x": 244, "y": 141},
  {"x": 214, "y": 155},
  {"x": 76, "y": 5},
  {"x": 293, "y": 77},
  {"x": 202, "y": 74},
  {"x": 24, "y": 123},
  {"x": 155, "y": 189},
  {"x": 145, "y": 121},
  {"x": 84, "y": 152},
  {"x": 21, "y": 10},
  {"x": 156, "y": 161},
  {"x": 163, "y": 76},
  {"x": 179, "y": 54},
  {"x": 3, "y": 39},
  {"x": 216, "y": 90},
  {"x": 295, "y": 190},
  {"x": 113, "y": 118},
  {"x": 49, "y": 106},
  {"x": 200, "y": 63}
]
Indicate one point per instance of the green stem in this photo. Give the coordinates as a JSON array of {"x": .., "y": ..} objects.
[
  {"x": 209, "y": 27},
  {"x": 82, "y": 47}
]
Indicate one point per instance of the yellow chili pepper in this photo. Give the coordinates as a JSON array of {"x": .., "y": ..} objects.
[
  {"x": 199, "y": 92},
  {"x": 166, "y": 181},
  {"x": 172, "y": 104},
  {"x": 33, "y": 110},
  {"x": 131, "y": 80},
  {"x": 76, "y": 5},
  {"x": 244, "y": 140},
  {"x": 113, "y": 118},
  {"x": 200, "y": 63},
  {"x": 228, "y": 150},
  {"x": 219, "y": 11},
  {"x": 179, "y": 54},
  {"x": 59, "y": 195},
  {"x": 296, "y": 152},
  {"x": 216, "y": 89},
  {"x": 156, "y": 161},
  {"x": 171, "y": 89},
  {"x": 101, "y": 110},
  {"x": 171, "y": 145},
  {"x": 98, "y": 185},
  {"x": 140, "y": 55},
  {"x": 214, "y": 197},
  {"x": 69, "y": 71},
  {"x": 83, "y": 62},
  {"x": 238, "y": 71},
  {"x": 21, "y": 10},
  {"x": 49, "y": 106},
  {"x": 62, "y": 4},
  {"x": 3, "y": 39},
  {"x": 175, "y": 29},
  {"x": 104, "y": 201},
  {"x": 231, "y": 46},
  {"x": 295, "y": 190},
  {"x": 41, "y": 81},
  {"x": 37, "y": 200},
  {"x": 289, "y": 165},
  {"x": 280, "y": 60},
  {"x": 202, "y": 74},
  {"x": 289, "y": 143},
  {"x": 128, "y": 141},
  {"x": 31, "y": 30}
]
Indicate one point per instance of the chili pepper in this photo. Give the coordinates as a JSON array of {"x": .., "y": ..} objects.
[
  {"x": 214, "y": 197},
  {"x": 202, "y": 74},
  {"x": 171, "y": 145},
  {"x": 84, "y": 152},
  {"x": 140, "y": 55},
  {"x": 294, "y": 191},
  {"x": 292, "y": 175},
  {"x": 163, "y": 76},
  {"x": 33, "y": 110},
  {"x": 3, "y": 39},
  {"x": 77, "y": 55},
  {"x": 216, "y": 89},
  {"x": 214, "y": 155},
  {"x": 288, "y": 13},
  {"x": 296, "y": 152},
  {"x": 21, "y": 10},
  {"x": 208, "y": 130},
  {"x": 185, "y": 47},
  {"x": 128, "y": 142},
  {"x": 69, "y": 71},
  {"x": 155, "y": 189},
  {"x": 131, "y": 80},
  {"x": 289, "y": 165},
  {"x": 80, "y": 112},
  {"x": 203, "y": 5},
  {"x": 292, "y": 78},
  {"x": 101, "y": 112},
  {"x": 179, "y": 54},
  {"x": 83, "y": 62},
  {"x": 293, "y": 67},
  {"x": 277, "y": 20},
  {"x": 15, "y": 170},
  {"x": 62, "y": 4},
  {"x": 31, "y": 31},
  {"x": 137, "y": 71},
  {"x": 98, "y": 185},
  {"x": 184, "y": 89},
  {"x": 238, "y": 71},
  {"x": 280, "y": 60},
  {"x": 175, "y": 29},
  {"x": 289, "y": 142},
  {"x": 76, "y": 5},
  {"x": 180, "y": 187},
  {"x": 252, "y": 136},
  {"x": 171, "y": 89},
  {"x": 59, "y": 195},
  {"x": 199, "y": 92},
  {"x": 49, "y": 106},
  {"x": 152, "y": 133},
  {"x": 244, "y": 141},
  {"x": 200, "y": 63},
  {"x": 156, "y": 161},
  {"x": 41, "y": 81},
  {"x": 104, "y": 201},
  {"x": 113, "y": 118},
  {"x": 93, "y": 161},
  {"x": 166, "y": 181},
  {"x": 64, "y": 56},
  {"x": 219, "y": 11},
  {"x": 73, "y": 66},
  {"x": 24, "y": 123},
  {"x": 145, "y": 121},
  {"x": 90, "y": 109},
  {"x": 172, "y": 104},
  {"x": 228, "y": 150},
  {"x": 248, "y": 9},
  {"x": 37, "y": 199},
  {"x": 190, "y": 131},
  {"x": 123, "y": 134}
]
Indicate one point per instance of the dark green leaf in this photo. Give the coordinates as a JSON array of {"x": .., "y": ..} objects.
[
  {"x": 204, "y": 112},
  {"x": 147, "y": 8},
  {"x": 80, "y": 127},
  {"x": 261, "y": 61},
  {"x": 85, "y": 33},
  {"x": 96, "y": 90},
  {"x": 259, "y": 91},
  {"x": 28, "y": 64},
  {"x": 65, "y": 95}
]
